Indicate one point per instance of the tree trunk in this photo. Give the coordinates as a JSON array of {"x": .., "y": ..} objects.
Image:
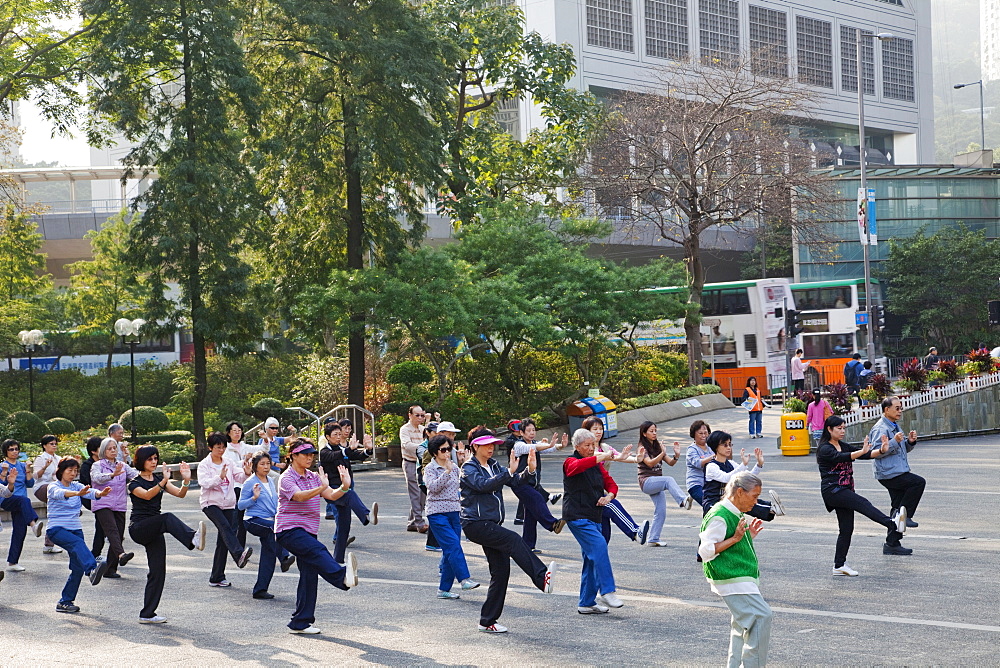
[
  {"x": 692, "y": 324},
  {"x": 355, "y": 253}
]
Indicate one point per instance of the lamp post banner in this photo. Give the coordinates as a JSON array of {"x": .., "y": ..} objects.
[
  {"x": 872, "y": 226},
  {"x": 862, "y": 216}
]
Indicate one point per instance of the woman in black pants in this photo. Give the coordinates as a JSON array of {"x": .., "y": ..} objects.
[
  {"x": 482, "y": 483},
  {"x": 836, "y": 472},
  {"x": 148, "y": 524}
]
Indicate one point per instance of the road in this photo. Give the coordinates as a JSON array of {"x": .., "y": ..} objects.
[{"x": 938, "y": 606}]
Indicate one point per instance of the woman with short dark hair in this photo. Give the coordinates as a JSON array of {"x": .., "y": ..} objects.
[
  {"x": 698, "y": 456},
  {"x": 22, "y": 515},
  {"x": 218, "y": 476},
  {"x": 259, "y": 503},
  {"x": 443, "y": 505},
  {"x": 651, "y": 456}
]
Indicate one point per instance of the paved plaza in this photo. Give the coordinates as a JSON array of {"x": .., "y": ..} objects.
[{"x": 938, "y": 606}]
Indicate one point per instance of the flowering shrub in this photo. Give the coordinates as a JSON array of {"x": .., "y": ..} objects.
[{"x": 913, "y": 375}]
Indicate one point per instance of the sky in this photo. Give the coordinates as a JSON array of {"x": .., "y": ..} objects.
[{"x": 38, "y": 144}]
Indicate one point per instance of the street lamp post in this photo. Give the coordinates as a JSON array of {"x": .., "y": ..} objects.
[
  {"x": 129, "y": 331},
  {"x": 29, "y": 339},
  {"x": 862, "y": 158},
  {"x": 982, "y": 112}
]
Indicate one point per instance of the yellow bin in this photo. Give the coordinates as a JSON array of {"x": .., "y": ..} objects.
[{"x": 794, "y": 435}]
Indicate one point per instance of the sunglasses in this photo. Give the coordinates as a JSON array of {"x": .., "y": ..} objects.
[{"x": 444, "y": 449}]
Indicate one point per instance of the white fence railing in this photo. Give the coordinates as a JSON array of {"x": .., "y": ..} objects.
[{"x": 936, "y": 393}]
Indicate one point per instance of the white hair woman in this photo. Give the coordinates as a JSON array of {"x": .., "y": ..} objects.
[{"x": 109, "y": 511}]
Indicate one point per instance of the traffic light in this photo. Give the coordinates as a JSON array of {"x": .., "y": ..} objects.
[
  {"x": 878, "y": 317},
  {"x": 793, "y": 323}
]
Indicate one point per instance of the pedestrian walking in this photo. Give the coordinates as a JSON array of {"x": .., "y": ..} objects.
[
  {"x": 614, "y": 511},
  {"x": 651, "y": 456},
  {"x": 932, "y": 360},
  {"x": 332, "y": 459},
  {"x": 148, "y": 524},
  {"x": 588, "y": 489},
  {"x": 109, "y": 511},
  {"x": 835, "y": 459},
  {"x": 697, "y": 457},
  {"x": 443, "y": 506},
  {"x": 892, "y": 469},
  {"x": 753, "y": 401},
  {"x": 296, "y": 527},
  {"x": 852, "y": 373},
  {"x": 22, "y": 515},
  {"x": 218, "y": 475},
  {"x": 799, "y": 367},
  {"x": 482, "y": 514},
  {"x": 259, "y": 503},
  {"x": 731, "y": 568},
  {"x": 64, "y": 529}
]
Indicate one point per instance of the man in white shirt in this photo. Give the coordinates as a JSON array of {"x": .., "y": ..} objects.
[
  {"x": 411, "y": 434},
  {"x": 117, "y": 432}
]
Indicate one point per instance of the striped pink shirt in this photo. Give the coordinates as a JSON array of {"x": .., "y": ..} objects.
[{"x": 297, "y": 514}]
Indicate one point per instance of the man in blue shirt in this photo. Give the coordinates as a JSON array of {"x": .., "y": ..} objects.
[{"x": 892, "y": 469}]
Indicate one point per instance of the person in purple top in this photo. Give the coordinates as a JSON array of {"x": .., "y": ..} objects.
[
  {"x": 296, "y": 526},
  {"x": 109, "y": 511}
]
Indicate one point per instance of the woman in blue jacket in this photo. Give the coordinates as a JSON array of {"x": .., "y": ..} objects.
[{"x": 18, "y": 504}]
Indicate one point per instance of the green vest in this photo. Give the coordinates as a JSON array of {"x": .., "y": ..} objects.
[{"x": 739, "y": 562}]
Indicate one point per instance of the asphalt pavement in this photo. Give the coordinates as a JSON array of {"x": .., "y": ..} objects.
[{"x": 936, "y": 607}]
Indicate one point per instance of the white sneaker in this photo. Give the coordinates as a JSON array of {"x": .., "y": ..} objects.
[
  {"x": 688, "y": 502},
  {"x": 547, "y": 587},
  {"x": 493, "y": 628},
  {"x": 38, "y": 528},
  {"x": 595, "y": 609},
  {"x": 611, "y": 599},
  {"x": 51, "y": 549},
  {"x": 307, "y": 631},
  {"x": 656, "y": 543},
  {"x": 351, "y": 564},
  {"x": 153, "y": 620},
  {"x": 450, "y": 595},
  {"x": 776, "y": 503},
  {"x": 199, "y": 538},
  {"x": 469, "y": 583},
  {"x": 900, "y": 519},
  {"x": 15, "y": 568},
  {"x": 845, "y": 570},
  {"x": 642, "y": 533}
]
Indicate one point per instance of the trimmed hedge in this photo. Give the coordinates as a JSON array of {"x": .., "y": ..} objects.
[
  {"x": 177, "y": 437},
  {"x": 24, "y": 426},
  {"x": 673, "y": 394},
  {"x": 60, "y": 426},
  {"x": 148, "y": 419}
]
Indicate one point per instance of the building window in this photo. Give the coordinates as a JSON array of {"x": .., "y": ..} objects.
[
  {"x": 897, "y": 69},
  {"x": 508, "y": 114},
  {"x": 814, "y": 39},
  {"x": 849, "y": 59},
  {"x": 609, "y": 24},
  {"x": 667, "y": 29},
  {"x": 768, "y": 42},
  {"x": 719, "y": 31}
]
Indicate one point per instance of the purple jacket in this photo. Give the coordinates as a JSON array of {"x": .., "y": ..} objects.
[{"x": 101, "y": 476}]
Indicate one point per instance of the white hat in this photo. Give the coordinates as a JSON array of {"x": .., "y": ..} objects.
[
  {"x": 271, "y": 422},
  {"x": 447, "y": 426}
]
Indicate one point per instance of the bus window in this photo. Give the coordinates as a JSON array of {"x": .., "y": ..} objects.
[
  {"x": 814, "y": 299},
  {"x": 828, "y": 345},
  {"x": 728, "y": 301}
]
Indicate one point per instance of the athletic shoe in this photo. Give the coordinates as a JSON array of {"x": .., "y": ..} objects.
[
  {"x": 554, "y": 498},
  {"x": 899, "y": 517},
  {"x": 350, "y": 539},
  {"x": 592, "y": 609},
  {"x": 98, "y": 572},
  {"x": 643, "y": 533},
  {"x": 374, "y": 513},
  {"x": 199, "y": 538},
  {"x": 656, "y": 543},
  {"x": 469, "y": 583},
  {"x": 910, "y": 523},
  {"x": 558, "y": 526},
  {"x": 845, "y": 570},
  {"x": 776, "y": 502},
  {"x": 15, "y": 568},
  {"x": 898, "y": 550},
  {"x": 307, "y": 631},
  {"x": 536, "y": 550},
  {"x": 38, "y": 528},
  {"x": 51, "y": 549},
  {"x": 245, "y": 557},
  {"x": 263, "y": 596},
  {"x": 330, "y": 517},
  {"x": 153, "y": 620},
  {"x": 547, "y": 587},
  {"x": 287, "y": 562},
  {"x": 67, "y": 607},
  {"x": 433, "y": 548},
  {"x": 447, "y": 594},
  {"x": 688, "y": 502},
  {"x": 518, "y": 522},
  {"x": 113, "y": 576},
  {"x": 611, "y": 600},
  {"x": 422, "y": 528},
  {"x": 221, "y": 583},
  {"x": 351, "y": 577},
  {"x": 413, "y": 529},
  {"x": 2, "y": 574},
  {"x": 125, "y": 558},
  {"x": 493, "y": 628}
]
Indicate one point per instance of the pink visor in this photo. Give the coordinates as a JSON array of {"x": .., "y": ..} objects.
[{"x": 486, "y": 440}]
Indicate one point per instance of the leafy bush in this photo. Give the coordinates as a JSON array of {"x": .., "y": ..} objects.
[
  {"x": 654, "y": 371},
  {"x": 410, "y": 372},
  {"x": 466, "y": 411},
  {"x": 673, "y": 394},
  {"x": 978, "y": 362},
  {"x": 174, "y": 453},
  {"x": 950, "y": 370},
  {"x": 24, "y": 426},
  {"x": 387, "y": 429},
  {"x": 59, "y": 426},
  {"x": 882, "y": 386},
  {"x": 268, "y": 407},
  {"x": 840, "y": 398},
  {"x": 794, "y": 405},
  {"x": 177, "y": 437},
  {"x": 869, "y": 394},
  {"x": 148, "y": 420},
  {"x": 914, "y": 374}
]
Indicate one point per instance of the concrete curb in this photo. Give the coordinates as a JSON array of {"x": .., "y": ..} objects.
[{"x": 672, "y": 410}]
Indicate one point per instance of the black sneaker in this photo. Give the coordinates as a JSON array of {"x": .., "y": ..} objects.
[
  {"x": 263, "y": 596},
  {"x": 554, "y": 498},
  {"x": 98, "y": 573},
  {"x": 125, "y": 558},
  {"x": 896, "y": 549},
  {"x": 67, "y": 607},
  {"x": 287, "y": 562}
]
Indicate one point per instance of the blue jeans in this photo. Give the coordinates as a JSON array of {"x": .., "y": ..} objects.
[
  {"x": 756, "y": 420},
  {"x": 615, "y": 512},
  {"x": 314, "y": 561},
  {"x": 597, "y": 575},
  {"x": 448, "y": 531},
  {"x": 350, "y": 502},
  {"x": 656, "y": 487},
  {"x": 269, "y": 550},
  {"x": 80, "y": 559},
  {"x": 21, "y": 515}
]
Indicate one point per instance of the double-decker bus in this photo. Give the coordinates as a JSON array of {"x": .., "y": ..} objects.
[
  {"x": 89, "y": 353},
  {"x": 831, "y": 330}
]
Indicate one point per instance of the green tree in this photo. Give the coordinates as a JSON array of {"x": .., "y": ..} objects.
[
  {"x": 941, "y": 284},
  {"x": 23, "y": 283},
  {"x": 107, "y": 287},
  {"x": 174, "y": 78}
]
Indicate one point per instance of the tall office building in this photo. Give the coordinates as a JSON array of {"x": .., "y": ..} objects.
[{"x": 989, "y": 49}]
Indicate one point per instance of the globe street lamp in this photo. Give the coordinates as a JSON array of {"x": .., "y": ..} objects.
[
  {"x": 129, "y": 331},
  {"x": 29, "y": 339}
]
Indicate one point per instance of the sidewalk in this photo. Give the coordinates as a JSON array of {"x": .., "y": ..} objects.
[{"x": 733, "y": 420}]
